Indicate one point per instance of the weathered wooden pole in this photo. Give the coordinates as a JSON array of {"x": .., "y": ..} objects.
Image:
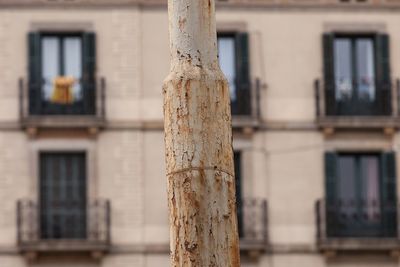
[{"x": 198, "y": 140}]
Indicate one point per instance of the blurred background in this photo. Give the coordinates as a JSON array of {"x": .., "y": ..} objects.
[{"x": 315, "y": 105}]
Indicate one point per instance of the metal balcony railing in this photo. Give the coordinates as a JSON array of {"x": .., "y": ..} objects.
[
  {"x": 33, "y": 231},
  {"x": 32, "y": 102},
  {"x": 247, "y": 101},
  {"x": 384, "y": 102},
  {"x": 349, "y": 220},
  {"x": 252, "y": 223}
]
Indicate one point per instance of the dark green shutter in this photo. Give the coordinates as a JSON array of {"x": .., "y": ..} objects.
[
  {"x": 330, "y": 177},
  {"x": 89, "y": 72},
  {"x": 330, "y": 193},
  {"x": 388, "y": 194},
  {"x": 238, "y": 180},
  {"x": 35, "y": 72},
  {"x": 329, "y": 73},
  {"x": 382, "y": 57},
  {"x": 243, "y": 74}
]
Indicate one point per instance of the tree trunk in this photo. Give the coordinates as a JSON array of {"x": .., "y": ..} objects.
[{"x": 198, "y": 141}]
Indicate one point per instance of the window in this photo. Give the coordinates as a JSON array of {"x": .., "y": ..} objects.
[
  {"x": 354, "y": 68},
  {"x": 62, "y": 73},
  {"x": 61, "y": 57},
  {"x": 357, "y": 78},
  {"x": 234, "y": 62},
  {"x": 63, "y": 196},
  {"x": 227, "y": 60},
  {"x": 361, "y": 196}
]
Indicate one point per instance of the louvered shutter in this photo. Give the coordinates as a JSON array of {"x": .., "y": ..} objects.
[
  {"x": 243, "y": 94},
  {"x": 35, "y": 73},
  {"x": 383, "y": 82},
  {"x": 89, "y": 72},
  {"x": 238, "y": 181},
  {"x": 329, "y": 74},
  {"x": 330, "y": 192},
  {"x": 388, "y": 194}
]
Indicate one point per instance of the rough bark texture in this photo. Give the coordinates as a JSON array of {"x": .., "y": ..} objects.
[{"x": 198, "y": 139}]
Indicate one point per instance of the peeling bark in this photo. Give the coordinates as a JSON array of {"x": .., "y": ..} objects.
[{"x": 198, "y": 141}]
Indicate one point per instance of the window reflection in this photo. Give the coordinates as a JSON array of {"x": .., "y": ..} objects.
[
  {"x": 50, "y": 64},
  {"x": 73, "y": 63},
  {"x": 226, "y": 48},
  {"x": 354, "y": 68},
  {"x": 365, "y": 69},
  {"x": 358, "y": 186},
  {"x": 347, "y": 184},
  {"x": 62, "y": 69},
  {"x": 343, "y": 68}
]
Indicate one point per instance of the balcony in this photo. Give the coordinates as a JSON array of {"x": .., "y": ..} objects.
[
  {"x": 357, "y": 111},
  {"x": 252, "y": 227},
  {"x": 357, "y": 226},
  {"x": 36, "y": 236},
  {"x": 246, "y": 108},
  {"x": 86, "y": 112},
  {"x": 252, "y": 224}
]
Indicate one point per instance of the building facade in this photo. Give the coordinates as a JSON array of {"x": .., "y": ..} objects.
[{"x": 315, "y": 105}]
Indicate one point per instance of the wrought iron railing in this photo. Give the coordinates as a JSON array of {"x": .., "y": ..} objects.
[
  {"x": 31, "y": 229},
  {"x": 356, "y": 219},
  {"x": 253, "y": 221},
  {"x": 92, "y": 102},
  {"x": 247, "y": 100},
  {"x": 385, "y": 101}
]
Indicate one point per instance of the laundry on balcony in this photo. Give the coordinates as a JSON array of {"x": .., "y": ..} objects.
[{"x": 63, "y": 90}]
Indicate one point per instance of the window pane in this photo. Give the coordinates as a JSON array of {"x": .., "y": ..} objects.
[
  {"x": 365, "y": 69},
  {"x": 50, "y": 64},
  {"x": 226, "y": 47},
  {"x": 73, "y": 63},
  {"x": 343, "y": 68},
  {"x": 347, "y": 184},
  {"x": 370, "y": 186}
]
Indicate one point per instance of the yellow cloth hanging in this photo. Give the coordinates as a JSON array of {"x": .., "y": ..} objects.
[{"x": 63, "y": 90}]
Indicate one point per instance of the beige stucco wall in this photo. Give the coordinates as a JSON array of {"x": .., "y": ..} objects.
[
  {"x": 120, "y": 178},
  {"x": 283, "y": 166},
  {"x": 155, "y": 193},
  {"x": 295, "y": 181},
  {"x": 14, "y": 169}
]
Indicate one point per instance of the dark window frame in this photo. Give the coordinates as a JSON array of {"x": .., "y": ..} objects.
[
  {"x": 242, "y": 106},
  {"x": 36, "y": 103},
  {"x": 382, "y": 104}
]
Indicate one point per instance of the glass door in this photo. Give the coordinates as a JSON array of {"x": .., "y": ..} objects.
[
  {"x": 358, "y": 196},
  {"x": 63, "y": 195},
  {"x": 354, "y": 67},
  {"x": 227, "y": 61},
  {"x": 62, "y": 74}
]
